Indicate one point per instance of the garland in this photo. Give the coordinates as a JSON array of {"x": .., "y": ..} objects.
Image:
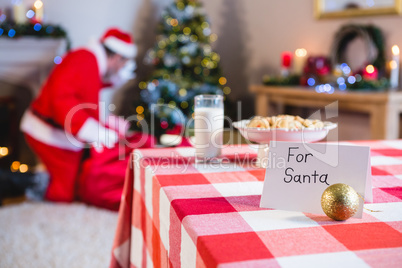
[{"x": 13, "y": 30}]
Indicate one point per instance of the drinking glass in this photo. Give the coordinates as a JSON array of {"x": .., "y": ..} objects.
[{"x": 208, "y": 126}]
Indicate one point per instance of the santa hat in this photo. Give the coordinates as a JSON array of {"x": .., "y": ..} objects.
[{"x": 119, "y": 42}]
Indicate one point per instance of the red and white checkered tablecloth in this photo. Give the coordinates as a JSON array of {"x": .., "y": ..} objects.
[{"x": 175, "y": 213}]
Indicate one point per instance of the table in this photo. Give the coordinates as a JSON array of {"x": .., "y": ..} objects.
[
  {"x": 175, "y": 213},
  {"x": 383, "y": 108}
]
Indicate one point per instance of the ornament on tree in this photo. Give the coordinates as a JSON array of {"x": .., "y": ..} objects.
[{"x": 340, "y": 201}]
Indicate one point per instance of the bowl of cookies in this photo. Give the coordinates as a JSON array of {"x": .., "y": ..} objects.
[
  {"x": 283, "y": 128},
  {"x": 262, "y": 130}
]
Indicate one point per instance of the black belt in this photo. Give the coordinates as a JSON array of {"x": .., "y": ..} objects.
[{"x": 48, "y": 120}]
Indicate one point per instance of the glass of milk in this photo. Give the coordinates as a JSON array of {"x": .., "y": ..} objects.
[{"x": 208, "y": 126}]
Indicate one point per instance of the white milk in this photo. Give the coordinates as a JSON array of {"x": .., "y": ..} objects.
[{"x": 208, "y": 128}]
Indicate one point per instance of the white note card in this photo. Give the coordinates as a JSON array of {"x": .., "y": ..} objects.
[{"x": 298, "y": 173}]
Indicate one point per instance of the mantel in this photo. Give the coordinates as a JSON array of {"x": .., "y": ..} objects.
[
  {"x": 27, "y": 60},
  {"x": 383, "y": 107}
]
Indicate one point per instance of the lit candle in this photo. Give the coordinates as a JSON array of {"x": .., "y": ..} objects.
[
  {"x": 370, "y": 73},
  {"x": 19, "y": 11},
  {"x": 299, "y": 61},
  {"x": 286, "y": 62},
  {"x": 394, "y": 77},
  {"x": 38, "y": 10}
]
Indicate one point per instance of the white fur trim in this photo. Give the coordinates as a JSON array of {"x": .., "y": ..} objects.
[
  {"x": 47, "y": 134},
  {"x": 96, "y": 48},
  {"x": 94, "y": 133},
  {"x": 120, "y": 47}
]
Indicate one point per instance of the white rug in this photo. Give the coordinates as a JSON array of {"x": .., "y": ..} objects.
[{"x": 55, "y": 235}]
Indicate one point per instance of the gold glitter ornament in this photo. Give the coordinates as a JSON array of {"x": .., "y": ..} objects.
[{"x": 340, "y": 201}]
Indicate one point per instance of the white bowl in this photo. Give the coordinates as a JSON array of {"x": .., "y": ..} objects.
[{"x": 264, "y": 136}]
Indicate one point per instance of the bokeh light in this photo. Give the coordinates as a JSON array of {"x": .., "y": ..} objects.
[
  {"x": 222, "y": 81},
  {"x": 301, "y": 52},
  {"x": 227, "y": 90},
  {"x": 30, "y": 14},
  {"x": 11, "y": 33},
  {"x": 370, "y": 69},
  {"x": 15, "y": 166},
  {"x": 311, "y": 81},
  {"x": 37, "y": 27},
  {"x": 3, "y": 151},
  {"x": 23, "y": 168},
  {"x": 57, "y": 60},
  {"x": 38, "y": 4},
  {"x": 395, "y": 50},
  {"x": 351, "y": 80},
  {"x": 139, "y": 110}
]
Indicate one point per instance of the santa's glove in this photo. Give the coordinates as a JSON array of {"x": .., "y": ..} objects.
[
  {"x": 118, "y": 124},
  {"x": 97, "y": 135}
]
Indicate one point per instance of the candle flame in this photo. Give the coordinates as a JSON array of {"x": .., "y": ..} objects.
[
  {"x": 370, "y": 69},
  {"x": 395, "y": 50},
  {"x": 301, "y": 52},
  {"x": 392, "y": 64},
  {"x": 38, "y": 4}
]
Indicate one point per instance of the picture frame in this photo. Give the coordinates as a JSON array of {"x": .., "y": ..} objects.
[{"x": 330, "y": 9}]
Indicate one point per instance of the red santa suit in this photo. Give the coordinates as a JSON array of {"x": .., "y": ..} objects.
[{"x": 65, "y": 117}]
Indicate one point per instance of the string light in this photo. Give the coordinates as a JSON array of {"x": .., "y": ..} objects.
[
  {"x": 15, "y": 166},
  {"x": 184, "y": 104},
  {"x": 11, "y": 33},
  {"x": 142, "y": 85},
  {"x": 23, "y": 168},
  {"x": 139, "y": 110},
  {"x": 215, "y": 56},
  {"x": 172, "y": 104},
  {"x": 182, "y": 92},
  {"x": 140, "y": 117},
  {"x": 227, "y": 90},
  {"x": 180, "y": 5},
  {"x": 193, "y": 38},
  {"x": 173, "y": 37},
  {"x": 3, "y": 151},
  {"x": 222, "y": 80},
  {"x": 174, "y": 22},
  {"x": 204, "y": 25},
  {"x": 187, "y": 31},
  {"x": 213, "y": 37},
  {"x": 162, "y": 44}
]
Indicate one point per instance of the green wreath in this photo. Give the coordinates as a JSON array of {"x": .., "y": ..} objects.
[{"x": 372, "y": 37}]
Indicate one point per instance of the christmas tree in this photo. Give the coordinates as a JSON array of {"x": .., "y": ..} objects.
[{"x": 185, "y": 66}]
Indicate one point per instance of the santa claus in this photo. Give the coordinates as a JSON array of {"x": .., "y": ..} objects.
[{"x": 64, "y": 119}]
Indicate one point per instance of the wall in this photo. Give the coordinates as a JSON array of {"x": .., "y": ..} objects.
[{"x": 252, "y": 34}]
